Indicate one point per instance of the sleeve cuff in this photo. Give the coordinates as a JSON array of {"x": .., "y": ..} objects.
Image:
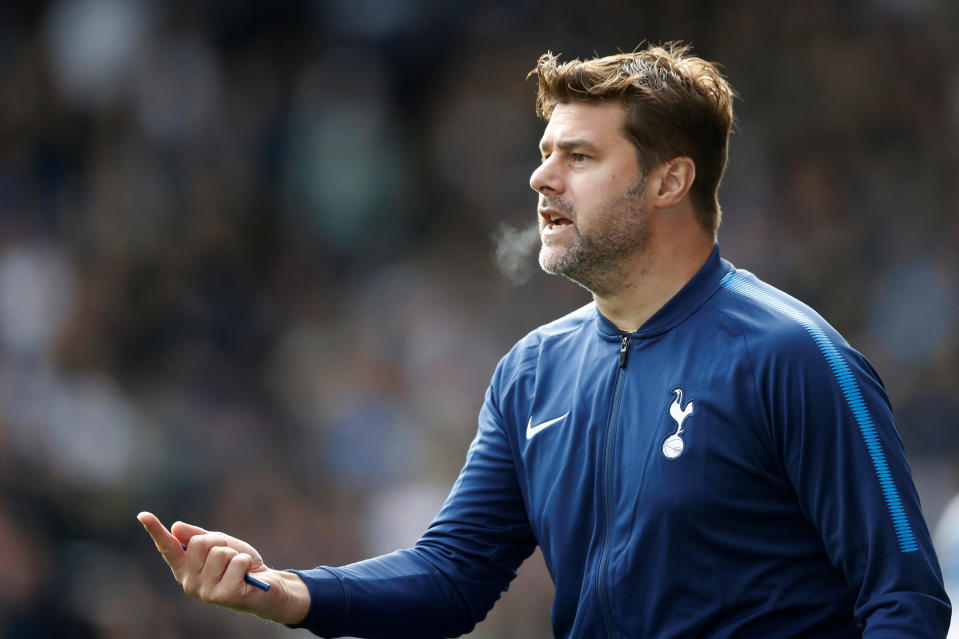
[{"x": 328, "y": 601}]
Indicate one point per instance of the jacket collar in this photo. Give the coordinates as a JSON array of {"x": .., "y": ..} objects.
[{"x": 687, "y": 301}]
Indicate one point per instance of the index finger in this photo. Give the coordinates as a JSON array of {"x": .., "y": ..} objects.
[{"x": 168, "y": 545}]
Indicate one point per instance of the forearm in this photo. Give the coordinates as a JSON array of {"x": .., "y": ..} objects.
[{"x": 397, "y": 595}]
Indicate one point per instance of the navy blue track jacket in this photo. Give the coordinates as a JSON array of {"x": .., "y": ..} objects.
[{"x": 731, "y": 469}]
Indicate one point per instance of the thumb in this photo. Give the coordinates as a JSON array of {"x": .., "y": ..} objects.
[
  {"x": 165, "y": 542},
  {"x": 183, "y": 531}
]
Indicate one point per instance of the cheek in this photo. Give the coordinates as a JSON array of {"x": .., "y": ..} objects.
[{"x": 619, "y": 182}]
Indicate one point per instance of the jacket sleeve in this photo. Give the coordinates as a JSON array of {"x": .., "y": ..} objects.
[
  {"x": 837, "y": 439},
  {"x": 454, "y": 574}
]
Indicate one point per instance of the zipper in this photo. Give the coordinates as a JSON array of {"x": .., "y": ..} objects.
[{"x": 602, "y": 588}]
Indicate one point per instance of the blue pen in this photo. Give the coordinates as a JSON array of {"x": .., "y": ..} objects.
[{"x": 253, "y": 581}]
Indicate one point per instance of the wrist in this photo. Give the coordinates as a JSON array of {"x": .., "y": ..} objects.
[{"x": 293, "y": 599}]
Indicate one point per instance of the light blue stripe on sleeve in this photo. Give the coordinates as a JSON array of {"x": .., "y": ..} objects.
[{"x": 852, "y": 394}]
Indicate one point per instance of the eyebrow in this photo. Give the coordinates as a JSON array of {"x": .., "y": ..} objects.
[{"x": 567, "y": 144}]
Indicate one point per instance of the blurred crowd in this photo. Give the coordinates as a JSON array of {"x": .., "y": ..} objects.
[{"x": 259, "y": 260}]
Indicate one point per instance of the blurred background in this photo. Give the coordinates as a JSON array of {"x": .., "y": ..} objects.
[{"x": 257, "y": 262}]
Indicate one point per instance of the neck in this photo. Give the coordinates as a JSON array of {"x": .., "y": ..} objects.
[{"x": 655, "y": 276}]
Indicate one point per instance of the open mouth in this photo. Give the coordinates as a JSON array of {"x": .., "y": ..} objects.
[{"x": 554, "y": 220}]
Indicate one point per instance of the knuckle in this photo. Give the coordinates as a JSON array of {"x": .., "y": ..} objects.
[
  {"x": 206, "y": 592},
  {"x": 203, "y": 539},
  {"x": 210, "y": 541},
  {"x": 222, "y": 552},
  {"x": 194, "y": 543},
  {"x": 190, "y": 587}
]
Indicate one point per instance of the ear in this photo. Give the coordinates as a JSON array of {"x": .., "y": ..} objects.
[{"x": 675, "y": 179}]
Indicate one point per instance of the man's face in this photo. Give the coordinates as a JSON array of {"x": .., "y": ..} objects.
[{"x": 591, "y": 196}]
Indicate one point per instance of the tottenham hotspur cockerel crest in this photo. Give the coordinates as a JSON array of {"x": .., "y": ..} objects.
[{"x": 674, "y": 445}]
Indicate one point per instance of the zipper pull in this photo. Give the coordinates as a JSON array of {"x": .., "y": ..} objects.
[{"x": 623, "y": 351}]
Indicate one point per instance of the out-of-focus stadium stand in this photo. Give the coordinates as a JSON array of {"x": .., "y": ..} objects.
[{"x": 247, "y": 274}]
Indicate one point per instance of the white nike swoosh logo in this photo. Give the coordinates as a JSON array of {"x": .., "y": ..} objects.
[{"x": 532, "y": 430}]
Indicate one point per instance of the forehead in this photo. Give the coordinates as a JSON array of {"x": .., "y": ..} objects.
[{"x": 597, "y": 124}]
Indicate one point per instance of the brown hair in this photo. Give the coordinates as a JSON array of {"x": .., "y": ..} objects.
[{"x": 676, "y": 105}]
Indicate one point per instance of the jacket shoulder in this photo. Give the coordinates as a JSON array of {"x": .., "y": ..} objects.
[
  {"x": 527, "y": 351},
  {"x": 774, "y": 325}
]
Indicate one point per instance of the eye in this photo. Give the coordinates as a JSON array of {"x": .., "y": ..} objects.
[{"x": 578, "y": 158}]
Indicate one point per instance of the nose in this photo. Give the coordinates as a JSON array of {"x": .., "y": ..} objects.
[{"x": 546, "y": 178}]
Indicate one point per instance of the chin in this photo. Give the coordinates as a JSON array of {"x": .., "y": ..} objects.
[
  {"x": 546, "y": 259},
  {"x": 551, "y": 260}
]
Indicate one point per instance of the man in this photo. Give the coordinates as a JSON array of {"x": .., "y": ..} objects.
[{"x": 696, "y": 453}]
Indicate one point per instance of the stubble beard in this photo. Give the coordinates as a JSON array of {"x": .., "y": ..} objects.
[{"x": 599, "y": 260}]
